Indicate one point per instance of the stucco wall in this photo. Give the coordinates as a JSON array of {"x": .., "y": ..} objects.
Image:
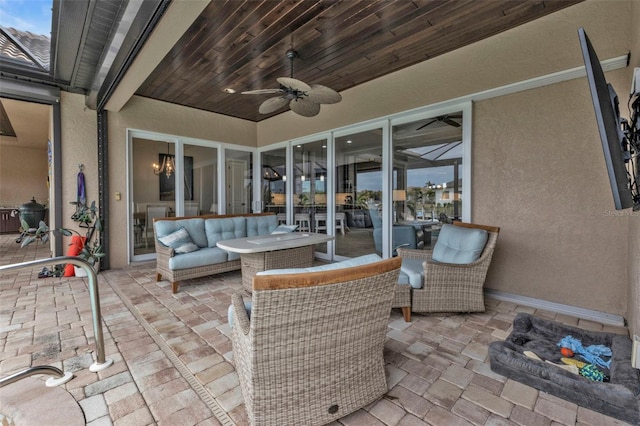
[
  {"x": 539, "y": 173},
  {"x": 23, "y": 173},
  {"x": 79, "y": 146},
  {"x": 23, "y": 158}
]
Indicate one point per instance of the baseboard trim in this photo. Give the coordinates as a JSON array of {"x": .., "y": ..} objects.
[{"x": 588, "y": 314}]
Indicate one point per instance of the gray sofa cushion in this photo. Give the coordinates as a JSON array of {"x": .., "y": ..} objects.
[
  {"x": 203, "y": 257},
  {"x": 227, "y": 228},
  {"x": 261, "y": 225},
  {"x": 195, "y": 228}
]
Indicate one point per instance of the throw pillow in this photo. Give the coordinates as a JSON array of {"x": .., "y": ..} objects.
[
  {"x": 180, "y": 241},
  {"x": 284, "y": 229}
]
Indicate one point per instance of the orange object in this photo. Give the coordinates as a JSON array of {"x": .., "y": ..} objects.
[
  {"x": 74, "y": 249},
  {"x": 566, "y": 352}
]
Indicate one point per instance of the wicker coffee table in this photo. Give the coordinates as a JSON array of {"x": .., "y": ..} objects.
[{"x": 294, "y": 250}]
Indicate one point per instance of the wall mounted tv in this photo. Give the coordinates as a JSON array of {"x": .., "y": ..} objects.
[{"x": 619, "y": 153}]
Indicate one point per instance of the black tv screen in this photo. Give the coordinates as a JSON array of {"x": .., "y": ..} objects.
[{"x": 614, "y": 143}]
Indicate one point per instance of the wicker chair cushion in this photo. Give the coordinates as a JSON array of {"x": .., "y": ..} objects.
[
  {"x": 195, "y": 228},
  {"x": 356, "y": 261},
  {"x": 414, "y": 271},
  {"x": 261, "y": 225},
  {"x": 459, "y": 245},
  {"x": 203, "y": 257},
  {"x": 227, "y": 228},
  {"x": 180, "y": 241},
  {"x": 403, "y": 278}
]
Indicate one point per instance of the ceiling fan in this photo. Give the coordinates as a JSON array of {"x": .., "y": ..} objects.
[
  {"x": 448, "y": 119},
  {"x": 303, "y": 99}
]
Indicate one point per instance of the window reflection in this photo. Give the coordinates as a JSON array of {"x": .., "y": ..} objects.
[
  {"x": 274, "y": 179},
  {"x": 358, "y": 186},
  {"x": 427, "y": 172}
]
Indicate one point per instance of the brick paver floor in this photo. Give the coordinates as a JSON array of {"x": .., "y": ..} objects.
[{"x": 173, "y": 359}]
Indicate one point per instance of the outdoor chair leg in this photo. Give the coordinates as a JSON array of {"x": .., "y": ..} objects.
[
  {"x": 158, "y": 277},
  {"x": 406, "y": 313},
  {"x": 174, "y": 287}
]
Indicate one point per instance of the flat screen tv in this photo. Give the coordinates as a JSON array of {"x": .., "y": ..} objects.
[{"x": 614, "y": 143}]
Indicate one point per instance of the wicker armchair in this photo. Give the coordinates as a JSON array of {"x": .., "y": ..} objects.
[
  {"x": 449, "y": 287},
  {"x": 312, "y": 351}
]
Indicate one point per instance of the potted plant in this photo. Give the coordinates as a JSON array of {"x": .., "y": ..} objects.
[{"x": 88, "y": 219}]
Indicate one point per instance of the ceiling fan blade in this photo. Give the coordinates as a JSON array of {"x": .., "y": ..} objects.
[
  {"x": 294, "y": 84},
  {"x": 262, "y": 91},
  {"x": 428, "y": 123},
  {"x": 272, "y": 104},
  {"x": 450, "y": 122},
  {"x": 323, "y": 95},
  {"x": 304, "y": 107}
]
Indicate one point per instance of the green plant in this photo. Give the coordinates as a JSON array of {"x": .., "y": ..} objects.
[{"x": 88, "y": 218}]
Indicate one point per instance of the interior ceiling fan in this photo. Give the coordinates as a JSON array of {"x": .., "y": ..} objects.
[
  {"x": 303, "y": 99},
  {"x": 448, "y": 119}
]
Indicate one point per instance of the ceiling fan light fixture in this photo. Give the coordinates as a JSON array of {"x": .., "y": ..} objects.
[{"x": 303, "y": 99}]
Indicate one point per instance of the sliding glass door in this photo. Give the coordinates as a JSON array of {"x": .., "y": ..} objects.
[
  {"x": 428, "y": 179},
  {"x": 358, "y": 191}
]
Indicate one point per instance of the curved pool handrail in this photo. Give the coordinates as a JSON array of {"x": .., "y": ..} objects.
[
  {"x": 101, "y": 361},
  {"x": 38, "y": 369}
]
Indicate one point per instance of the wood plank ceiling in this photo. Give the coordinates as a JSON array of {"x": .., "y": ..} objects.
[{"x": 341, "y": 44}]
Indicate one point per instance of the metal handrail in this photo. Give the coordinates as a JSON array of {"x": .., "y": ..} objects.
[
  {"x": 32, "y": 371},
  {"x": 101, "y": 361}
]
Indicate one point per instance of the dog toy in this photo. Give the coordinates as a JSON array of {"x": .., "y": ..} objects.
[
  {"x": 571, "y": 361},
  {"x": 566, "y": 352},
  {"x": 591, "y": 372},
  {"x": 591, "y": 353},
  {"x": 588, "y": 371}
]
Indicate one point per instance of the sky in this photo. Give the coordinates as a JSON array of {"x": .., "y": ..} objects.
[{"x": 27, "y": 15}]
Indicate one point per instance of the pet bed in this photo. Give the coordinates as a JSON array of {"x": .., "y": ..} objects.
[{"x": 618, "y": 398}]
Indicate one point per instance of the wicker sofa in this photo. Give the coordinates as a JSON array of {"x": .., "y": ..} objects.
[
  {"x": 311, "y": 350},
  {"x": 205, "y": 232}
]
